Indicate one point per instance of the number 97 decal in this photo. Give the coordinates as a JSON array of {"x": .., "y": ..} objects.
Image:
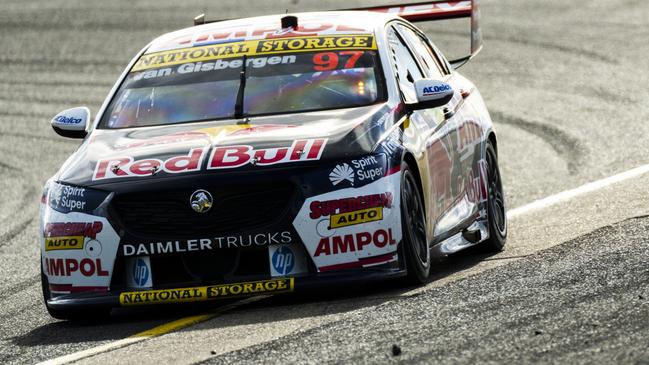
[{"x": 327, "y": 61}]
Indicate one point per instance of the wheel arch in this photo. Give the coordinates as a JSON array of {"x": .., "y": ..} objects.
[
  {"x": 492, "y": 138},
  {"x": 410, "y": 159}
]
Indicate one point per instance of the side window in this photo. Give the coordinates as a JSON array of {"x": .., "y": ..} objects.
[
  {"x": 405, "y": 66},
  {"x": 432, "y": 66},
  {"x": 440, "y": 57}
]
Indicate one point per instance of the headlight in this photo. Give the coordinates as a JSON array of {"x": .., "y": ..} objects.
[{"x": 67, "y": 198}]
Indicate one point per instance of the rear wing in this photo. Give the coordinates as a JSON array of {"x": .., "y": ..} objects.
[
  {"x": 424, "y": 11},
  {"x": 440, "y": 10}
]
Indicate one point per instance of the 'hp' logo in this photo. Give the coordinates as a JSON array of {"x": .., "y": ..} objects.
[
  {"x": 140, "y": 272},
  {"x": 283, "y": 260}
]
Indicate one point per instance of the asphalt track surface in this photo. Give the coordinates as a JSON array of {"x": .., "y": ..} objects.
[{"x": 566, "y": 86}]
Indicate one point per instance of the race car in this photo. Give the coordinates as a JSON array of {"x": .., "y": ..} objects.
[{"x": 259, "y": 156}]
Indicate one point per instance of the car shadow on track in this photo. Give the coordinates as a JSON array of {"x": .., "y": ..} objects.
[
  {"x": 111, "y": 328},
  {"x": 312, "y": 303},
  {"x": 339, "y": 299}
]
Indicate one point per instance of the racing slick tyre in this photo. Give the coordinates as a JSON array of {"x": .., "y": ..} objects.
[
  {"x": 413, "y": 219},
  {"x": 496, "y": 213},
  {"x": 73, "y": 313}
]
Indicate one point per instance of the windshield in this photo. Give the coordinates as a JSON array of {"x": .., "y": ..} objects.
[{"x": 202, "y": 83}]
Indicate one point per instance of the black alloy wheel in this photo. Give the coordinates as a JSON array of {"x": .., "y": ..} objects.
[
  {"x": 495, "y": 204},
  {"x": 413, "y": 218}
]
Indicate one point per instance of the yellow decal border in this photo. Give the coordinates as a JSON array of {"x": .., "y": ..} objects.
[
  {"x": 79, "y": 238},
  {"x": 378, "y": 217},
  {"x": 205, "y": 293},
  {"x": 254, "y": 48}
]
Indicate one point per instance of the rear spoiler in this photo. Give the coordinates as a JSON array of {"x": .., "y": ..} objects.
[
  {"x": 440, "y": 10},
  {"x": 425, "y": 11}
]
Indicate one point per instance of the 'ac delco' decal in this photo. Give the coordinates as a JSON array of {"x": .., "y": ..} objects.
[
  {"x": 221, "y": 158},
  {"x": 67, "y": 120},
  {"x": 436, "y": 89}
]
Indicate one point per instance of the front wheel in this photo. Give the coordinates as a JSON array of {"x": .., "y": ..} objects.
[
  {"x": 413, "y": 219},
  {"x": 495, "y": 204}
]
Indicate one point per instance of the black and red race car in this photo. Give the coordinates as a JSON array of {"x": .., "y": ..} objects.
[{"x": 259, "y": 155}]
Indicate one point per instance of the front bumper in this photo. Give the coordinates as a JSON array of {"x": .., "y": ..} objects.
[
  {"x": 337, "y": 232},
  {"x": 114, "y": 299}
]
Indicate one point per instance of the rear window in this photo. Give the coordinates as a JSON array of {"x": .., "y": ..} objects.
[{"x": 282, "y": 76}]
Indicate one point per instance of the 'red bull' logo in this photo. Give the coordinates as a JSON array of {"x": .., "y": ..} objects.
[{"x": 221, "y": 158}]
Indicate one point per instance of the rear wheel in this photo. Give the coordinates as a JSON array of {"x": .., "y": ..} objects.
[
  {"x": 413, "y": 218},
  {"x": 495, "y": 204}
]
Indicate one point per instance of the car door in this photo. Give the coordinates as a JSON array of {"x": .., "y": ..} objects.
[
  {"x": 469, "y": 132},
  {"x": 437, "y": 130},
  {"x": 465, "y": 175}
]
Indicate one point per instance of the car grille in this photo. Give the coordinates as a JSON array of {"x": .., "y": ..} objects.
[
  {"x": 204, "y": 268},
  {"x": 236, "y": 209}
]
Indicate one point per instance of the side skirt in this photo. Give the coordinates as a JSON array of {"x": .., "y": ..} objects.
[{"x": 457, "y": 242}]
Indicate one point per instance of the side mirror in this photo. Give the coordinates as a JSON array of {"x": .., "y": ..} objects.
[
  {"x": 431, "y": 94},
  {"x": 72, "y": 123}
]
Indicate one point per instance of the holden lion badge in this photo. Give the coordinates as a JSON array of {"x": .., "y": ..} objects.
[{"x": 201, "y": 201}]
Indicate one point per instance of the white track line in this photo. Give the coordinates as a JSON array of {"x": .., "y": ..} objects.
[
  {"x": 188, "y": 321},
  {"x": 76, "y": 356},
  {"x": 573, "y": 193}
]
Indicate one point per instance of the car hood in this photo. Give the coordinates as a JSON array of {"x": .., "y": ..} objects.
[{"x": 342, "y": 133}]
